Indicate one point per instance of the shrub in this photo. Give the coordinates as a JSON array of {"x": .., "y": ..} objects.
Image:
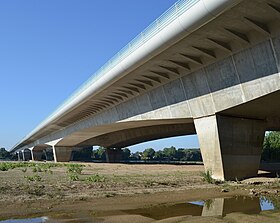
[
  {"x": 95, "y": 178},
  {"x": 4, "y": 167},
  {"x": 36, "y": 177},
  {"x": 74, "y": 177},
  {"x": 207, "y": 176},
  {"x": 75, "y": 168}
]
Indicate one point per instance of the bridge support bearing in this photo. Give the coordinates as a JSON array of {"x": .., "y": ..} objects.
[
  {"x": 62, "y": 154},
  {"x": 113, "y": 155},
  {"x": 230, "y": 147}
]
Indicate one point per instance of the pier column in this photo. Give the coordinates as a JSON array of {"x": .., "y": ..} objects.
[
  {"x": 36, "y": 154},
  {"x": 62, "y": 154},
  {"x": 113, "y": 155},
  {"x": 231, "y": 147},
  {"x": 23, "y": 155}
]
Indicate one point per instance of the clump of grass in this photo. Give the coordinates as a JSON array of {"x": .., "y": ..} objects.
[
  {"x": 74, "y": 177},
  {"x": 75, "y": 168},
  {"x": 36, "y": 169},
  {"x": 24, "y": 170},
  {"x": 207, "y": 177},
  {"x": 4, "y": 167},
  {"x": 35, "y": 177},
  {"x": 95, "y": 178}
]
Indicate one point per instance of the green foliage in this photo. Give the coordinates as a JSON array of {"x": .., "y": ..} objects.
[
  {"x": 95, "y": 178},
  {"x": 74, "y": 168},
  {"x": 36, "y": 169},
  {"x": 99, "y": 154},
  {"x": 35, "y": 177},
  {"x": 271, "y": 147},
  {"x": 73, "y": 177},
  {"x": 148, "y": 154},
  {"x": 170, "y": 153},
  {"x": 207, "y": 177},
  {"x": 126, "y": 154},
  {"x": 4, "y": 154},
  {"x": 4, "y": 167}
]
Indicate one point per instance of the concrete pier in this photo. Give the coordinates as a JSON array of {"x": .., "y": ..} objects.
[
  {"x": 62, "y": 154},
  {"x": 36, "y": 155},
  {"x": 113, "y": 155},
  {"x": 231, "y": 147}
]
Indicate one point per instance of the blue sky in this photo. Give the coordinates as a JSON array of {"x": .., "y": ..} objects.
[{"x": 49, "y": 48}]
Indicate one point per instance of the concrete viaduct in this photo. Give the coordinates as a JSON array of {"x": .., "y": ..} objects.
[{"x": 205, "y": 67}]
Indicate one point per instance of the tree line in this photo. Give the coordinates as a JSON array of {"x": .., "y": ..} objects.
[
  {"x": 149, "y": 154},
  {"x": 270, "y": 153}
]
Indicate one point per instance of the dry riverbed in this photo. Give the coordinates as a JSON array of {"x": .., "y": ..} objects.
[{"x": 40, "y": 189}]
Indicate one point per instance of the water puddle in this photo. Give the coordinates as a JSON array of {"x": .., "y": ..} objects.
[{"x": 218, "y": 207}]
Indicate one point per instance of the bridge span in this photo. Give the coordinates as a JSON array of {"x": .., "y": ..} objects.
[{"x": 205, "y": 67}]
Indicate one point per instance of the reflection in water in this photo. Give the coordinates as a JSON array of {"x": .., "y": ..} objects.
[
  {"x": 224, "y": 206},
  {"x": 27, "y": 220},
  {"x": 214, "y": 207}
]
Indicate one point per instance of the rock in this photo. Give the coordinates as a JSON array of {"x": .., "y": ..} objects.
[
  {"x": 253, "y": 192},
  {"x": 224, "y": 190}
]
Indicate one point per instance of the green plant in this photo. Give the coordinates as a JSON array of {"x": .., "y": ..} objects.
[
  {"x": 24, "y": 170},
  {"x": 74, "y": 177},
  {"x": 35, "y": 177},
  {"x": 4, "y": 167},
  {"x": 36, "y": 169},
  {"x": 207, "y": 176},
  {"x": 95, "y": 178},
  {"x": 75, "y": 168}
]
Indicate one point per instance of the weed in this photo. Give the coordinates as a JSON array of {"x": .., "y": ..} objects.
[
  {"x": 208, "y": 203},
  {"x": 36, "y": 169},
  {"x": 24, "y": 170},
  {"x": 74, "y": 177},
  {"x": 74, "y": 168},
  {"x": 33, "y": 178},
  {"x": 207, "y": 176},
  {"x": 95, "y": 178},
  {"x": 4, "y": 167}
]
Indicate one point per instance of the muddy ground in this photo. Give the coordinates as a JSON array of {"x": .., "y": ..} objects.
[{"x": 112, "y": 188}]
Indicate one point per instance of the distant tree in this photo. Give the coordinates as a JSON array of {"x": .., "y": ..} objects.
[
  {"x": 180, "y": 153},
  {"x": 193, "y": 155},
  {"x": 148, "y": 154},
  {"x": 4, "y": 154},
  {"x": 126, "y": 154},
  {"x": 159, "y": 155},
  {"x": 136, "y": 156},
  {"x": 170, "y": 153},
  {"x": 271, "y": 147},
  {"x": 99, "y": 154}
]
